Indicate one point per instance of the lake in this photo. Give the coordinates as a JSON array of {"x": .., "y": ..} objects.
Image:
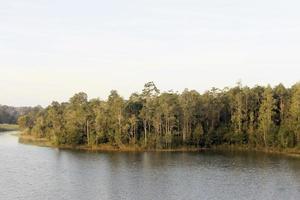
[{"x": 35, "y": 173}]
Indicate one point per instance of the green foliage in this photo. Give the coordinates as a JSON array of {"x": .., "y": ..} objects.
[
  {"x": 259, "y": 116},
  {"x": 198, "y": 135},
  {"x": 295, "y": 112},
  {"x": 266, "y": 114},
  {"x": 9, "y": 115}
]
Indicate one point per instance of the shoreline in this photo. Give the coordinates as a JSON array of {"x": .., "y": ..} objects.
[
  {"x": 8, "y": 127},
  {"x": 292, "y": 152},
  {"x": 43, "y": 142}
]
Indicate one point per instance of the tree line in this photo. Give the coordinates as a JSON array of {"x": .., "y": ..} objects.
[
  {"x": 258, "y": 116},
  {"x": 10, "y": 115}
]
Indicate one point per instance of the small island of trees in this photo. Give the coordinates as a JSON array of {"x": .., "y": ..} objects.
[{"x": 254, "y": 117}]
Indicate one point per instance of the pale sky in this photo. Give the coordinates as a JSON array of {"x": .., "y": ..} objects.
[{"x": 51, "y": 49}]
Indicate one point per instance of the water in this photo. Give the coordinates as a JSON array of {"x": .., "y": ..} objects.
[{"x": 35, "y": 173}]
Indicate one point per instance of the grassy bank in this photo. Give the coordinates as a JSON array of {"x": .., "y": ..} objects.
[
  {"x": 28, "y": 139},
  {"x": 295, "y": 152},
  {"x": 8, "y": 127}
]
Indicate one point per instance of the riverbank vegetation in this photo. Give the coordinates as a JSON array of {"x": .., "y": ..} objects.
[
  {"x": 8, "y": 127},
  {"x": 255, "y": 117}
]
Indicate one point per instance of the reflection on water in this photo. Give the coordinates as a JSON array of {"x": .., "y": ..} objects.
[{"x": 34, "y": 173}]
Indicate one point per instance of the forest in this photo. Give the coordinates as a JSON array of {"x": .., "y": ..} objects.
[
  {"x": 9, "y": 114},
  {"x": 257, "y": 117}
]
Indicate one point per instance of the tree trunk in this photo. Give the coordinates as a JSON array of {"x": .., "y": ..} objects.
[
  {"x": 87, "y": 132},
  {"x": 145, "y": 131},
  {"x": 184, "y": 131}
]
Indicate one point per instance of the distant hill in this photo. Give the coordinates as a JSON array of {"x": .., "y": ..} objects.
[{"x": 9, "y": 114}]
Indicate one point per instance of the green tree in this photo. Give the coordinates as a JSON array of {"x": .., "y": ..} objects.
[
  {"x": 150, "y": 92},
  {"x": 189, "y": 104},
  {"x": 266, "y": 114},
  {"x": 240, "y": 115},
  {"x": 75, "y": 116},
  {"x": 169, "y": 106},
  {"x": 295, "y": 112},
  {"x": 116, "y": 106},
  {"x": 198, "y": 135}
]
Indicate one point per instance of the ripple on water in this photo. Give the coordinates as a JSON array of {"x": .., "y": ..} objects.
[{"x": 34, "y": 173}]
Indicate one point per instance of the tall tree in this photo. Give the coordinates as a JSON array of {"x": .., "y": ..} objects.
[
  {"x": 266, "y": 114},
  {"x": 238, "y": 116},
  {"x": 75, "y": 116},
  {"x": 169, "y": 106},
  {"x": 150, "y": 91},
  {"x": 116, "y": 107},
  {"x": 295, "y": 112},
  {"x": 189, "y": 103}
]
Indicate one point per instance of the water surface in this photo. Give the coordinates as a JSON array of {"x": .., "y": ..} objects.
[{"x": 35, "y": 173}]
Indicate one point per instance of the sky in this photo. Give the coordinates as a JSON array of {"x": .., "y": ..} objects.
[{"x": 52, "y": 49}]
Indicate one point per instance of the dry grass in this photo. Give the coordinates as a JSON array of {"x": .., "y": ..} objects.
[
  {"x": 29, "y": 139},
  {"x": 8, "y": 127}
]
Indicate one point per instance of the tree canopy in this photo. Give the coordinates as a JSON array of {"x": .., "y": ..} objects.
[
  {"x": 9, "y": 114},
  {"x": 258, "y": 116}
]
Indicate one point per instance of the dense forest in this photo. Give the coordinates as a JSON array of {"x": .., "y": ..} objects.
[
  {"x": 258, "y": 116},
  {"x": 9, "y": 114}
]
